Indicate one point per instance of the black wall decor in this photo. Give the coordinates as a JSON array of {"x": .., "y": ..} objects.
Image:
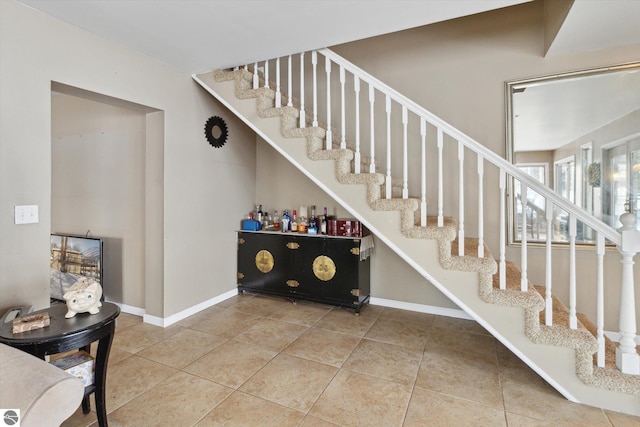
[{"x": 216, "y": 132}]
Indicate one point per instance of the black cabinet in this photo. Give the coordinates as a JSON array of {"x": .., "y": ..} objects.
[{"x": 316, "y": 268}]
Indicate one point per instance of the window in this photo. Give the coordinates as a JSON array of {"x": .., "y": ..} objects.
[
  {"x": 534, "y": 219},
  {"x": 621, "y": 182}
]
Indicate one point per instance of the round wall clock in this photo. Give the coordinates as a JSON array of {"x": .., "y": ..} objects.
[{"x": 216, "y": 132}]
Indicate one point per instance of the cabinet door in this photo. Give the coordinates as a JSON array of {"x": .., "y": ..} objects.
[
  {"x": 344, "y": 287},
  {"x": 263, "y": 262},
  {"x": 306, "y": 250}
]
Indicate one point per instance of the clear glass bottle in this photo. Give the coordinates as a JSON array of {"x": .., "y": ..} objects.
[
  {"x": 323, "y": 222},
  {"x": 285, "y": 222},
  {"x": 275, "y": 220},
  {"x": 302, "y": 225},
  {"x": 294, "y": 222}
]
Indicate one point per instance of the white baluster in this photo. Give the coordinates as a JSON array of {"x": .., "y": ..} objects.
[
  {"x": 388, "y": 183},
  {"x": 480, "y": 206},
  {"x": 372, "y": 97},
  {"x": 503, "y": 259},
  {"x": 314, "y": 66},
  {"x": 524, "y": 285},
  {"x": 423, "y": 200},
  {"x": 405, "y": 160},
  {"x": 356, "y": 88},
  {"x": 289, "y": 83},
  {"x": 573, "y": 320},
  {"x": 548, "y": 300},
  {"x": 256, "y": 80},
  {"x": 440, "y": 180},
  {"x": 627, "y": 358},
  {"x": 329, "y": 133},
  {"x": 600, "y": 299},
  {"x": 266, "y": 74},
  {"x": 278, "y": 93},
  {"x": 343, "y": 122},
  {"x": 246, "y": 67},
  {"x": 460, "y": 199},
  {"x": 303, "y": 117}
]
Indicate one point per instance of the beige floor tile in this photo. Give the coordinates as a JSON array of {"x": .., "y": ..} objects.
[
  {"x": 515, "y": 420},
  {"x": 230, "y": 302},
  {"x": 227, "y": 324},
  {"x": 132, "y": 377},
  {"x": 408, "y": 316},
  {"x": 115, "y": 355},
  {"x": 138, "y": 337},
  {"x": 460, "y": 325},
  {"x": 181, "y": 399},
  {"x": 200, "y": 316},
  {"x": 346, "y": 322},
  {"x": 290, "y": 381},
  {"x": 271, "y": 334},
  {"x": 387, "y": 361},
  {"x": 525, "y": 393},
  {"x": 354, "y": 399},
  {"x": 126, "y": 320},
  {"x": 181, "y": 349},
  {"x": 311, "y": 421},
  {"x": 471, "y": 379},
  {"x": 231, "y": 364},
  {"x": 463, "y": 344},
  {"x": 428, "y": 408},
  {"x": 260, "y": 305},
  {"x": 330, "y": 348},
  {"x": 401, "y": 332},
  {"x": 622, "y": 420},
  {"x": 245, "y": 410},
  {"x": 301, "y": 313}
]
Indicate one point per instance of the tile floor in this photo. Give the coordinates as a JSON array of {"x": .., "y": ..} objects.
[{"x": 261, "y": 361}]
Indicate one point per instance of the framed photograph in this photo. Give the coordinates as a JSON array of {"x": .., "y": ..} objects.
[{"x": 73, "y": 258}]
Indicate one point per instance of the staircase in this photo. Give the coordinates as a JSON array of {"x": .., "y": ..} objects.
[{"x": 405, "y": 207}]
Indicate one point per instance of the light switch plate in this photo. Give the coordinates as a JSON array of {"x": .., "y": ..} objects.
[{"x": 27, "y": 214}]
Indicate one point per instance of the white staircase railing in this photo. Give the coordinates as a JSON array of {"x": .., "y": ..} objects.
[{"x": 407, "y": 151}]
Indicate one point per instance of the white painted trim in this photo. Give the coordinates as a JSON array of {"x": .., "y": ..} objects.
[
  {"x": 615, "y": 336},
  {"x": 168, "y": 321},
  {"x": 420, "y": 308}
]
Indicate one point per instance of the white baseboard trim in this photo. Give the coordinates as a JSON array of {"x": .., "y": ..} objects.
[
  {"x": 420, "y": 308},
  {"x": 168, "y": 321}
]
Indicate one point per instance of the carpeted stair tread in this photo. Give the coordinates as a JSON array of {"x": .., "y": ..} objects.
[
  {"x": 609, "y": 346},
  {"x": 513, "y": 277}
]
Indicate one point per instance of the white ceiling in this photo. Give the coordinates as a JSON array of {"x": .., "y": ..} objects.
[{"x": 194, "y": 35}]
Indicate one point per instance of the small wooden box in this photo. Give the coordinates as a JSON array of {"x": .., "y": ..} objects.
[{"x": 29, "y": 323}]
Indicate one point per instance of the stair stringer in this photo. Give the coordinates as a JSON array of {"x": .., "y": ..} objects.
[{"x": 511, "y": 316}]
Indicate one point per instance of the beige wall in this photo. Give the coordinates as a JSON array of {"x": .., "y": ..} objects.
[
  {"x": 202, "y": 191},
  {"x": 91, "y": 141},
  {"x": 284, "y": 186}
]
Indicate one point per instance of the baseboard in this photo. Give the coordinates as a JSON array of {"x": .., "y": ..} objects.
[
  {"x": 421, "y": 308},
  {"x": 168, "y": 321}
]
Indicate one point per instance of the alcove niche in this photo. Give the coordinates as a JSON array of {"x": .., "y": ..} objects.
[{"x": 107, "y": 180}]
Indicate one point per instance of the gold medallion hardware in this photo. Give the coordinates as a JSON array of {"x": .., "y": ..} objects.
[
  {"x": 264, "y": 261},
  {"x": 293, "y": 283},
  {"x": 240, "y": 241},
  {"x": 324, "y": 268},
  {"x": 355, "y": 292},
  {"x": 240, "y": 276},
  {"x": 293, "y": 245},
  {"x": 355, "y": 251}
]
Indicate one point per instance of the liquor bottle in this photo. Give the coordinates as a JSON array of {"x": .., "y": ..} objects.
[
  {"x": 324, "y": 222},
  {"x": 275, "y": 220},
  {"x": 302, "y": 225},
  {"x": 313, "y": 224},
  {"x": 285, "y": 223},
  {"x": 294, "y": 222},
  {"x": 259, "y": 213}
]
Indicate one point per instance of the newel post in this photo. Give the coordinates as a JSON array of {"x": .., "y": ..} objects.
[{"x": 627, "y": 358}]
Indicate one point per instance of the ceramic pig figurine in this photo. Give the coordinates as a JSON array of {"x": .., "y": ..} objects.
[{"x": 83, "y": 296}]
